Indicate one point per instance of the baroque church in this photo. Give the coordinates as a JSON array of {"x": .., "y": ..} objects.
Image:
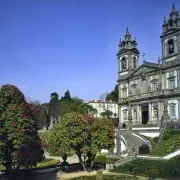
[{"x": 144, "y": 89}]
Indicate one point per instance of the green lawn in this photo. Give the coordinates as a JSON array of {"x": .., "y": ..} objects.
[{"x": 167, "y": 145}]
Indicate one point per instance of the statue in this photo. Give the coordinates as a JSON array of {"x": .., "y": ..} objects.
[
  {"x": 155, "y": 112},
  {"x": 135, "y": 114}
]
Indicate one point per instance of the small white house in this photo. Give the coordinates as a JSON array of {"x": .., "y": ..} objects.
[{"x": 103, "y": 106}]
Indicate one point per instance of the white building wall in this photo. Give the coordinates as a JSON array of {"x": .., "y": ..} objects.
[{"x": 104, "y": 105}]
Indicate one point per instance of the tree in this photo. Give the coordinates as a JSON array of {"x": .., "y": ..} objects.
[
  {"x": 113, "y": 95},
  {"x": 66, "y": 96},
  {"x": 58, "y": 143},
  {"x": 75, "y": 105},
  {"x": 54, "y": 104},
  {"x": 47, "y": 113},
  {"x": 107, "y": 113},
  {"x": 41, "y": 119},
  {"x": 88, "y": 135},
  {"x": 54, "y": 96},
  {"x": 18, "y": 129}
]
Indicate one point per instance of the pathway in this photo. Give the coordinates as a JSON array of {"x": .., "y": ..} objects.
[
  {"x": 70, "y": 160},
  {"x": 66, "y": 176}
]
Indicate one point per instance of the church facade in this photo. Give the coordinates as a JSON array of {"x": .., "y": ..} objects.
[{"x": 143, "y": 89}]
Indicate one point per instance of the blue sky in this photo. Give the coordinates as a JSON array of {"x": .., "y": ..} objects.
[{"x": 55, "y": 45}]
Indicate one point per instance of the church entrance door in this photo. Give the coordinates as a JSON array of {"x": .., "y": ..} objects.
[{"x": 145, "y": 114}]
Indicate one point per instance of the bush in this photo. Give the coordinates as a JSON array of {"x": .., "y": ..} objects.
[
  {"x": 166, "y": 136},
  {"x": 99, "y": 175},
  {"x": 47, "y": 163},
  {"x": 101, "y": 159},
  {"x": 2, "y": 168},
  {"x": 156, "y": 139},
  {"x": 107, "y": 177},
  {"x": 153, "y": 173},
  {"x": 167, "y": 168}
]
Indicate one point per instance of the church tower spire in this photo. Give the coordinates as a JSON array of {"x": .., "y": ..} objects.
[
  {"x": 170, "y": 37},
  {"x": 128, "y": 54}
]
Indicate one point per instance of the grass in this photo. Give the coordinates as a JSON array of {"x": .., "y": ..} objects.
[{"x": 167, "y": 146}]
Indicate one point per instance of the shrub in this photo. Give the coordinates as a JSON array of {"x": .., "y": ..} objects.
[
  {"x": 2, "y": 168},
  {"x": 99, "y": 175},
  {"x": 154, "y": 173},
  {"x": 48, "y": 163},
  {"x": 167, "y": 168},
  {"x": 156, "y": 139},
  {"x": 166, "y": 136},
  {"x": 107, "y": 177},
  {"x": 101, "y": 159}
]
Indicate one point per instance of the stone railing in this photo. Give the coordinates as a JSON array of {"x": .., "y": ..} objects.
[{"x": 161, "y": 134}]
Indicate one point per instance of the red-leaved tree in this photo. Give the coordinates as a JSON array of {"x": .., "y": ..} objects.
[
  {"x": 20, "y": 145},
  {"x": 87, "y": 136}
]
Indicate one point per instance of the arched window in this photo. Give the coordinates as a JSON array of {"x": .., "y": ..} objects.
[
  {"x": 134, "y": 62},
  {"x": 171, "y": 46},
  {"x": 123, "y": 63}
]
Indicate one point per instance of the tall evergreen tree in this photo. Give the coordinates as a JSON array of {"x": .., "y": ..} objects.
[
  {"x": 113, "y": 95},
  {"x": 66, "y": 96}
]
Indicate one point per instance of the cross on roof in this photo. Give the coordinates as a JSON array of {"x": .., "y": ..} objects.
[{"x": 143, "y": 55}]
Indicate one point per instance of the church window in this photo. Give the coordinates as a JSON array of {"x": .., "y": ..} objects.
[
  {"x": 144, "y": 86},
  {"x": 154, "y": 86},
  {"x": 172, "y": 110},
  {"x": 171, "y": 46},
  {"x": 171, "y": 83},
  {"x": 124, "y": 63},
  {"x": 124, "y": 93},
  {"x": 134, "y": 63},
  {"x": 134, "y": 90},
  {"x": 125, "y": 114}
]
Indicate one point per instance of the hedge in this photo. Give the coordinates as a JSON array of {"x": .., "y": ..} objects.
[
  {"x": 167, "y": 168},
  {"x": 107, "y": 177},
  {"x": 104, "y": 159},
  {"x": 47, "y": 163}
]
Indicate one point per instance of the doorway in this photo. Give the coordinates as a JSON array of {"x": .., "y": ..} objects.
[{"x": 145, "y": 114}]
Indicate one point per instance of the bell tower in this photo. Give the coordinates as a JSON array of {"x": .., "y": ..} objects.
[
  {"x": 128, "y": 55},
  {"x": 170, "y": 38}
]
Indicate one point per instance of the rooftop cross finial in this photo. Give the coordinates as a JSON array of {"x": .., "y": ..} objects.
[
  {"x": 143, "y": 55},
  {"x": 173, "y": 10},
  {"x": 164, "y": 19},
  {"x": 127, "y": 30}
]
